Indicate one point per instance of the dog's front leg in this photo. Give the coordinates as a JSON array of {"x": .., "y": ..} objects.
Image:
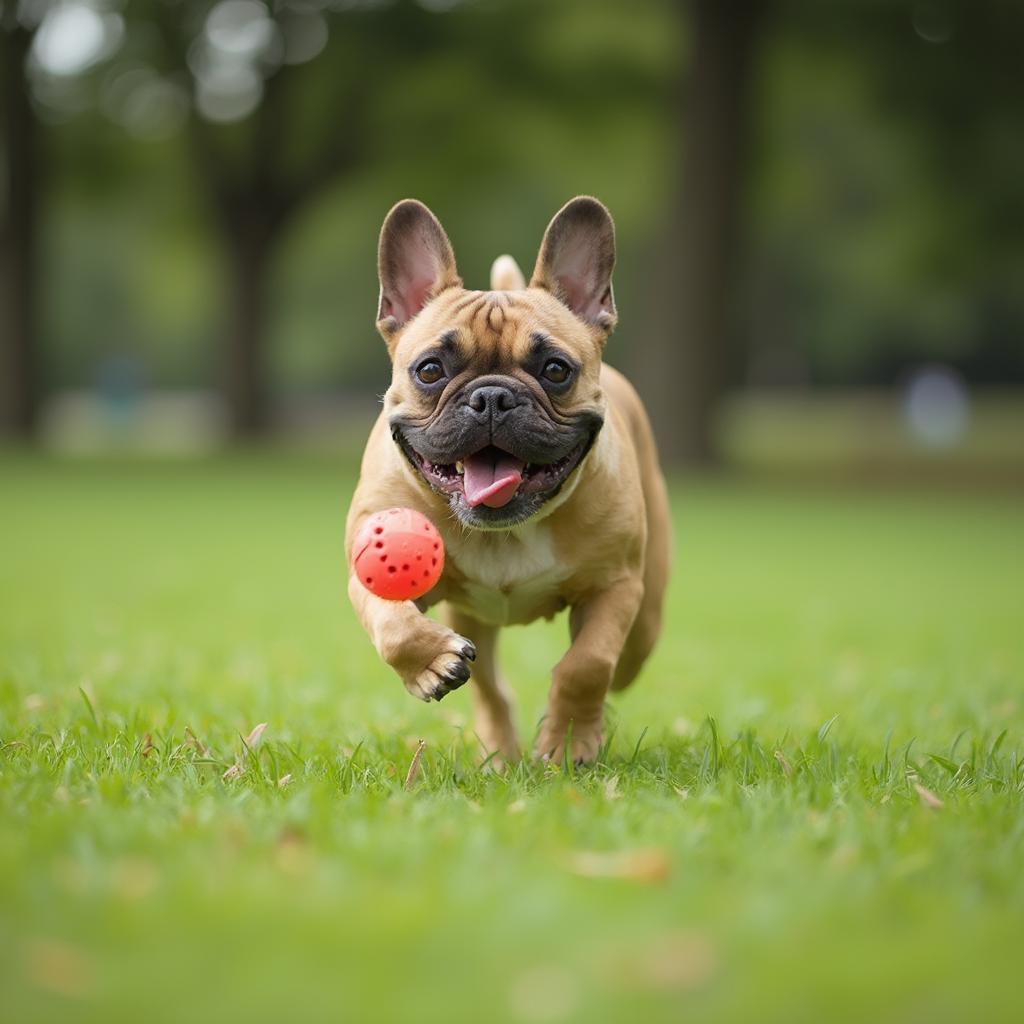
[
  {"x": 431, "y": 659},
  {"x": 599, "y": 627}
]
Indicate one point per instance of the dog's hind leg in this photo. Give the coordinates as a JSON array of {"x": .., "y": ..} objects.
[
  {"x": 639, "y": 644},
  {"x": 645, "y": 630},
  {"x": 492, "y": 700}
]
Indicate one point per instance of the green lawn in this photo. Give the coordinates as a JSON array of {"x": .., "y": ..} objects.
[{"x": 753, "y": 845}]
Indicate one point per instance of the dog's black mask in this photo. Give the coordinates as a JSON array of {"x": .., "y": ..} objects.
[{"x": 491, "y": 429}]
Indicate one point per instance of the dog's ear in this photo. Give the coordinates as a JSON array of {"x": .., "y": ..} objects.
[
  {"x": 415, "y": 263},
  {"x": 576, "y": 260}
]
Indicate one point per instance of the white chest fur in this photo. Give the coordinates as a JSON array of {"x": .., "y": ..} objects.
[{"x": 509, "y": 577}]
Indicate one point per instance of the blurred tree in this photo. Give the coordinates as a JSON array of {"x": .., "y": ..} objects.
[
  {"x": 268, "y": 134},
  {"x": 19, "y": 179},
  {"x": 690, "y": 349}
]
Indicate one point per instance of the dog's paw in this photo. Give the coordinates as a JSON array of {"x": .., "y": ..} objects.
[
  {"x": 499, "y": 743},
  {"x": 584, "y": 741},
  {"x": 433, "y": 662}
]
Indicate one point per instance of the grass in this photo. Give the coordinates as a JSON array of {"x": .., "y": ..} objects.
[{"x": 810, "y": 806}]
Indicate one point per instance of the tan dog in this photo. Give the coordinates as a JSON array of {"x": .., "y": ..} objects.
[{"x": 534, "y": 460}]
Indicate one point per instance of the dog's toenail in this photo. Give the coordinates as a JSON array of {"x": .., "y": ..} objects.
[
  {"x": 469, "y": 651},
  {"x": 458, "y": 670}
]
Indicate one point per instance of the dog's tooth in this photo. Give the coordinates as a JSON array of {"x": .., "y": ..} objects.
[{"x": 460, "y": 468}]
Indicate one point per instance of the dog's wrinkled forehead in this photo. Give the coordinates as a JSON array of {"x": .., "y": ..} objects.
[{"x": 495, "y": 332}]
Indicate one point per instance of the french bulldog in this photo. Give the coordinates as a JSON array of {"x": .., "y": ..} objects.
[{"x": 536, "y": 462}]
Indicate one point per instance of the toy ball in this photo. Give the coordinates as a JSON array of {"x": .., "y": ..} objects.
[{"x": 398, "y": 554}]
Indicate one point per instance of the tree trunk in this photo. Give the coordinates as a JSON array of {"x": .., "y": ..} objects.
[
  {"x": 690, "y": 355},
  {"x": 249, "y": 248},
  {"x": 19, "y": 394}
]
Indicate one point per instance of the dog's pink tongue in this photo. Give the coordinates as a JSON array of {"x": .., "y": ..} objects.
[{"x": 492, "y": 477}]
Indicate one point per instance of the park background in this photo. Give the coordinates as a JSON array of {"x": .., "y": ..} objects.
[
  {"x": 814, "y": 203},
  {"x": 810, "y": 806}
]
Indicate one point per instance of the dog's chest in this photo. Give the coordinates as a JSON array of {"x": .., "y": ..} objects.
[{"x": 508, "y": 578}]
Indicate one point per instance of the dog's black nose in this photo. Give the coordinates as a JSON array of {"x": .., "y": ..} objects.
[{"x": 492, "y": 401}]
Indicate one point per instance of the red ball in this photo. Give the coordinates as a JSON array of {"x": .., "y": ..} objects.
[{"x": 398, "y": 554}]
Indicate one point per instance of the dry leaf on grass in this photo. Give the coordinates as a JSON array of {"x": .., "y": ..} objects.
[
  {"x": 611, "y": 789},
  {"x": 928, "y": 798},
  {"x": 284, "y": 780},
  {"x": 292, "y": 853},
  {"x": 147, "y": 745},
  {"x": 414, "y": 765},
  {"x": 59, "y": 968},
  {"x": 254, "y": 737},
  {"x": 232, "y": 773},
  {"x": 644, "y": 865},
  {"x": 787, "y": 768},
  {"x": 193, "y": 741}
]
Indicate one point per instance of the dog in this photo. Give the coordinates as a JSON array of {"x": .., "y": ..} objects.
[{"x": 536, "y": 462}]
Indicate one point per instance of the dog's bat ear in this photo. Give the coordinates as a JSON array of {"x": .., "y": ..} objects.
[
  {"x": 576, "y": 260},
  {"x": 415, "y": 263}
]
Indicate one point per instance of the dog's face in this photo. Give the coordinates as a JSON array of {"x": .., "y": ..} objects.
[{"x": 495, "y": 396}]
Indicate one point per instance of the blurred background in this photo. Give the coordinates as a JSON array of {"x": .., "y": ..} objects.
[{"x": 819, "y": 209}]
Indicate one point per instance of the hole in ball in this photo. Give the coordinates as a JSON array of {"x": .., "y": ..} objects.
[
  {"x": 391, "y": 568},
  {"x": 379, "y": 544},
  {"x": 378, "y": 529}
]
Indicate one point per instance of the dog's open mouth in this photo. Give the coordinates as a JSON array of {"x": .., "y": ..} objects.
[{"x": 492, "y": 476}]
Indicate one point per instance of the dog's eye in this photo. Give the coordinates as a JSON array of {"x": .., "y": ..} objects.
[
  {"x": 556, "y": 371},
  {"x": 430, "y": 372}
]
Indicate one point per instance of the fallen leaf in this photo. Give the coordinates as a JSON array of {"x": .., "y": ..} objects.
[
  {"x": 611, "y": 789},
  {"x": 928, "y": 798},
  {"x": 787, "y": 768},
  {"x": 284, "y": 780},
  {"x": 292, "y": 852},
  {"x": 644, "y": 865},
  {"x": 190, "y": 737},
  {"x": 233, "y": 772},
  {"x": 414, "y": 765},
  {"x": 254, "y": 737},
  {"x": 60, "y": 968},
  {"x": 147, "y": 745}
]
